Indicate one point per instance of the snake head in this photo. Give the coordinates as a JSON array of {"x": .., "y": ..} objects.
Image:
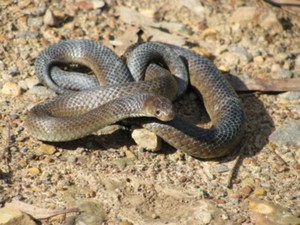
[{"x": 159, "y": 107}]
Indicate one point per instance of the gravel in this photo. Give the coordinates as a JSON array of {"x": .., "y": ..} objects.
[{"x": 127, "y": 185}]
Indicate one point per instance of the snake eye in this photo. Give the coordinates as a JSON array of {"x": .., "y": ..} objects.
[{"x": 157, "y": 112}]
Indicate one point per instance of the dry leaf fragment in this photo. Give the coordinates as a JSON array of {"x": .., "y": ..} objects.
[{"x": 36, "y": 212}]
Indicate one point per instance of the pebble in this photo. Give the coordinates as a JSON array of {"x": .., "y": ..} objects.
[
  {"x": 146, "y": 139},
  {"x": 259, "y": 192},
  {"x": 49, "y": 18},
  {"x": 33, "y": 170},
  {"x": 269, "y": 21},
  {"x": 11, "y": 89},
  {"x": 237, "y": 55},
  {"x": 287, "y": 134},
  {"x": 221, "y": 168},
  {"x": 270, "y": 213},
  {"x": 46, "y": 149},
  {"x": 123, "y": 163},
  {"x": 72, "y": 159},
  {"x": 35, "y": 22},
  {"x": 41, "y": 90},
  {"x": 284, "y": 73},
  {"x": 246, "y": 191},
  {"x": 243, "y": 55},
  {"x": 27, "y": 34},
  {"x": 12, "y": 216},
  {"x": 92, "y": 212},
  {"x": 258, "y": 59},
  {"x": 243, "y": 14},
  {"x": 290, "y": 95},
  {"x": 30, "y": 82},
  {"x": 14, "y": 71}
]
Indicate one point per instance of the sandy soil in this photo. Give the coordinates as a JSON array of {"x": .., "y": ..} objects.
[{"x": 110, "y": 178}]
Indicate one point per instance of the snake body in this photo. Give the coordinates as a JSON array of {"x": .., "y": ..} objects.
[{"x": 220, "y": 100}]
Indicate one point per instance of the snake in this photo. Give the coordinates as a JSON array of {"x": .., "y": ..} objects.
[{"x": 119, "y": 90}]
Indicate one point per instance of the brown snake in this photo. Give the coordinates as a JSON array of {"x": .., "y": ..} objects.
[{"x": 77, "y": 114}]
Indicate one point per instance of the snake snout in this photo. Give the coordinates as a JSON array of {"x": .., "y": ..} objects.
[{"x": 159, "y": 107}]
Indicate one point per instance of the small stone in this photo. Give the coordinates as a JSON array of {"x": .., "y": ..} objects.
[
  {"x": 49, "y": 18},
  {"x": 290, "y": 95},
  {"x": 287, "y": 135},
  {"x": 12, "y": 216},
  {"x": 123, "y": 163},
  {"x": 243, "y": 14},
  {"x": 275, "y": 68},
  {"x": 92, "y": 212},
  {"x": 72, "y": 159},
  {"x": 14, "y": 71},
  {"x": 268, "y": 20},
  {"x": 284, "y": 73},
  {"x": 246, "y": 191},
  {"x": 258, "y": 59},
  {"x": 269, "y": 213},
  {"x": 33, "y": 170},
  {"x": 47, "y": 149},
  {"x": 146, "y": 139},
  {"x": 259, "y": 192},
  {"x": 31, "y": 82},
  {"x": 41, "y": 90},
  {"x": 11, "y": 89},
  {"x": 221, "y": 168}
]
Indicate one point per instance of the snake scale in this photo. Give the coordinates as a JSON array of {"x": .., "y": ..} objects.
[{"x": 119, "y": 91}]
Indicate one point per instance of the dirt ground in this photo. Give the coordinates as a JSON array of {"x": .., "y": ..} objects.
[{"x": 112, "y": 180}]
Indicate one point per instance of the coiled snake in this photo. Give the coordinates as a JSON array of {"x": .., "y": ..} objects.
[{"x": 119, "y": 92}]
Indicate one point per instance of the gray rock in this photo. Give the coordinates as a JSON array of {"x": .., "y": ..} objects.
[
  {"x": 298, "y": 108},
  {"x": 35, "y": 22},
  {"x": 243, "y": 55},
  {"x": 290, "y": 95},
  {"x": 27, "y": 34},
  {"x": 288, "y": 134},
  {"x": 31, "y": 82},
  {"x": 41, "y": 90},
  {"x": 284, "y": 73},
  {"x": 92, "y": 212},
  {"x": 14, "y": 71},
  {"x": 221, "y": 168}
]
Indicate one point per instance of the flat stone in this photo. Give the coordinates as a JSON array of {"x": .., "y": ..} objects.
[
  {"x": 146, "y": 139},
  {"x": 290, "y": 95},
  {"x": 243, "y": 14},
  {"x": 33, "y": 170},
  {"x": 41, "y": 90},
  {"x": 31, "y": 82},
  {"x": 284, "y": 73},
  {"x": 12, "y": 216},
  {"x": 221, "y": 168},
  {"x": 287, "y": 135},
  {"x": 92, "y": 212},
  {"x": 47, "y": 149},
  {"x": 11, "y": 89}
]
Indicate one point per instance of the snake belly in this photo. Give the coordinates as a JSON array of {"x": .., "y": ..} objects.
[{"x": 220, "y": 100}]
